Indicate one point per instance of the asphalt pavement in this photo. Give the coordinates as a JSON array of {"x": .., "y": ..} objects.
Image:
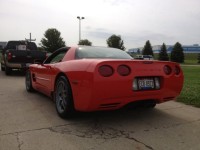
[{"x": 28, "y": 121}]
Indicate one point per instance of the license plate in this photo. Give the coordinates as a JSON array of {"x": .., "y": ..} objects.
[{"x": 146, "y": 83}]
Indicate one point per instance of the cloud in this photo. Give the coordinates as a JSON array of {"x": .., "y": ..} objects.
[
  {"x": 139, "y": 39},
  {"x": 100, "y": 33},
  {"x": 118, "y": 2}
]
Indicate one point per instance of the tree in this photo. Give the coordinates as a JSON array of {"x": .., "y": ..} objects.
[
  {"x": 198, "y": 58},
  {"x": 52, "y": 40},
  {"x": 163, "y": 53},
  {"x": 138, "y": 51},
  {"x": 147, "y": 50},
  {"x": 85, "y": 42},
  {"x": 115, "y": 42},
  {"x": 177, "y": 54}
]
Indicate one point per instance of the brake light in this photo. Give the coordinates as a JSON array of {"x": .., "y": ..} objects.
[
  {"x": 123, "y": 70},
  {"x": 9, "y": 56},
  {"x": 167, "y": 69},
  {"x": 177, "y": 70},
  {"x": 106, "y": 70}
]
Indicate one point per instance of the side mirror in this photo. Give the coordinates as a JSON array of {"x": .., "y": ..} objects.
[{"x": 38, "y": 61}]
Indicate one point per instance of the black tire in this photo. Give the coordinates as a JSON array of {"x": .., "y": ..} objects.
[
  {"x": 8, "y": 70},
  {"x": 28, "y": 82},
  {"x": 2, "y": 68},
  {"x": 150, "y": 104},
  {"x": 63, "y": 98}
]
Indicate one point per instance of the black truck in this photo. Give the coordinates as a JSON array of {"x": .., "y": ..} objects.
[{"x": 18, "y": 54}]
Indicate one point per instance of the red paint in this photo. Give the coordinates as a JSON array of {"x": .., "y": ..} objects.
[{"x": 92, "y": 91}]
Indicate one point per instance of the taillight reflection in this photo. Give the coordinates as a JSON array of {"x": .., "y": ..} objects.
[
  {"x": 123, "y": 70},
  {"x": 167, "y": 69},
  {"x": 106, "y": 70},
  {"x": 177, "y": 70}
]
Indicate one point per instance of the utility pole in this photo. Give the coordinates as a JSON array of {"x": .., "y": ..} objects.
[{"x": 30, "y": 39}]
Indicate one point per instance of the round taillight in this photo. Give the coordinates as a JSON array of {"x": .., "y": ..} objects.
[
  {"x": 106, "y": 70},
  {"x": 167, "y": 70},
  {"x": 123, "y": 70},
  {"x": 177, "y": 70}
]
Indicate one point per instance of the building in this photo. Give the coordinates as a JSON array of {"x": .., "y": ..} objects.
[
  {"x": 156, "y": 49},
  {"x": 2, "y": 45},
  {"x": 186, "y": 48}
]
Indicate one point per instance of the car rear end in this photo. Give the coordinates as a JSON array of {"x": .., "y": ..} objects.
[
  {"x": 18, "y": 54},
  {"x": 116, "y": 83}
]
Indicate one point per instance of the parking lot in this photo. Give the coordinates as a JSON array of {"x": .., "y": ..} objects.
[{"x": 28, "y": 121}]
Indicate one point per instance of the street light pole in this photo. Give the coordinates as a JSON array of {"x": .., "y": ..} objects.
[{"x": 80, "y": 18}]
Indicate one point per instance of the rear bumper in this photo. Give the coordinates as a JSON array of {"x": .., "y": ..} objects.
[
  {"x": 16, "y": 65},
  {"x": 113, "y": 95},
  {"x": 112, "y": 103}
]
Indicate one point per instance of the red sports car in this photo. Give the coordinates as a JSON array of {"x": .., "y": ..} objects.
[{"x": 86, "y": 78}]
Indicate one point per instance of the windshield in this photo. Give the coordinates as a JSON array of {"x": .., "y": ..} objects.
[{"x": 101, "y": 52}]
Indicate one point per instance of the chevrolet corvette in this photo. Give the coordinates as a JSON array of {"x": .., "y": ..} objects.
[{"x": 87, "y": 78}]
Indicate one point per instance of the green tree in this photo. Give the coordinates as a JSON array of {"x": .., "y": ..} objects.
[
  {"x": 198, "y": 58},
  {"x": 52, "y": 40},
  {"x": 115, "y": 42},
  {"x": 147, "y": 50},
  {"x": 85, "y": 42},
  {"x": 163, "y": 53},
  {"x": 138, "y": 51},
  {"x": 177, "y": 54},
  {"x": 40, "y": 49}
]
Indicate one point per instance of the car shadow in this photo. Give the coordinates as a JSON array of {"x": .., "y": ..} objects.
[
  {"x": 126, "y": 114},
  {"x": 17, "y": 73}
]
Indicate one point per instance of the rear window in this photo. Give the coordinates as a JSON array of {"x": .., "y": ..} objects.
[
  {"x": 15, "y": 44},
  {"x": 100, "y": 53}
]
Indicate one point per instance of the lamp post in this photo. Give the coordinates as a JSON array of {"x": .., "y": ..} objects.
[{"x": 80, "y": 18}]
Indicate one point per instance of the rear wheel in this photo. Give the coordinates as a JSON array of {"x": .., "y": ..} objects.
[
  {"x": 150, "y": 104},
  {"x": 28, "y": 82},
  {"x": 8, "y": 70},
  {"x": 63, "y": 98}
]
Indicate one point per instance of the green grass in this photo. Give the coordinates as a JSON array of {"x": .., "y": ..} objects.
[
  {"x": 191, "y": 90},
  {"x": 191, "y": 62},
  {"x": 190, "y": 59}
]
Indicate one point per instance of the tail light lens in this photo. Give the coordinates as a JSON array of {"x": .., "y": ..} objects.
[
  {"x": 123, "y": 70},
  {"x": 9, "y": 56},
  {"x": 177, "y": 70},
  {"x": 106, "y": 70},
  {"x": 167, "y": 70}
]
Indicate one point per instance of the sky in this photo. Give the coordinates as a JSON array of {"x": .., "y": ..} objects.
[{"x": 136, "y": 21}]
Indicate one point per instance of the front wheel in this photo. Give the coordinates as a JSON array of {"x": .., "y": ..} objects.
[
  {"x": 28, "y": 82},
  {"x": 63, "y": 98}
]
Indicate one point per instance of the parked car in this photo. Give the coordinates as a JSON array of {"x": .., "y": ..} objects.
[
  {"x": 144, "y": 57},
  {"x": 17, "y": 54},
  {"x": 88, "y": 78}
]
